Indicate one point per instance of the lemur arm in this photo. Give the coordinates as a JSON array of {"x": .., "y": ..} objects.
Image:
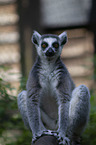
[
  {"x": 63, "y": 117},
  {"x": 63, "y": 109},
  {"x": 33, "y": 111},
  {"x": 33, "y": 91}
]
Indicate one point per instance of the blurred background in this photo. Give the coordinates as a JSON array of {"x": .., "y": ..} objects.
[{"x": 18, "y": 20}]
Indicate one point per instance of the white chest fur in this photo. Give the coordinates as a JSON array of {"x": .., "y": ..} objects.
[
  {"x": 48, "y": 78},
  {"x": 49, "y": 81}
]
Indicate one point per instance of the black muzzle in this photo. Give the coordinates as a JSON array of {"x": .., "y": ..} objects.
[{"x": 49, "y": 52}]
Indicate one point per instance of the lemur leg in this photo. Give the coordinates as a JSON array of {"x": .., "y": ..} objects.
[
  {"x": 22, "y": 105},
  {"x": 78, "y": 111}
]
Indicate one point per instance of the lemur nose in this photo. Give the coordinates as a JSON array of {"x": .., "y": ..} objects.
[{"x": 49, "y": 52}]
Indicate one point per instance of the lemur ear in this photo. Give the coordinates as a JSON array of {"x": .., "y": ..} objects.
[
  {"x": 35, "y": 38},
  {"x": 63, "y": 38}
]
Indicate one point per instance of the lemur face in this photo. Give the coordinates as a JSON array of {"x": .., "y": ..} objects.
[{"x": 49, "y": 45}]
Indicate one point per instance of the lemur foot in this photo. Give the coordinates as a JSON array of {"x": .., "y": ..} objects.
[
  {"x": 50, "y": 132},
  {"x": 45, "y": 132},
  {"x": 36, "y": 136},
  {"x": 63, "y": 140}
]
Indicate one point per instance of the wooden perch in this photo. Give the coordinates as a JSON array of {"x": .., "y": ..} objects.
[{"x": 46, "y": 140}]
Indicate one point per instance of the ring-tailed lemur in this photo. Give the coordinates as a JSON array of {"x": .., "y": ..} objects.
[{"x": 52, "y": 104}]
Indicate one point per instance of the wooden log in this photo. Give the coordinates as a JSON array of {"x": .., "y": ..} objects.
[
  {"x": 86, "y": 81},
  {"x": 14, "y": 37},
  {"x": 9, "y": 28},
  {"x": 9, "y": 19},
  {"x": 80, "y": 71},
  {"x": 80, "y": 61},
  {"x": 10, "y": 53},
  {"x": 77, "y": 49},
  {"x": 46, "y": 140},
  {"x": 12, "y": 74},
  {"x": 8, "y": 9},
  {"x": 7, "y": 1}
]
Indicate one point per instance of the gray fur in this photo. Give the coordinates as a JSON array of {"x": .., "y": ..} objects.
[{"x": 52, "y": 100}]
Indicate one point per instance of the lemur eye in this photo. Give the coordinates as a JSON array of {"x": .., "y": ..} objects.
[
  {"x": 44, "y": 45},
  {"x": 56, "y": 45}
]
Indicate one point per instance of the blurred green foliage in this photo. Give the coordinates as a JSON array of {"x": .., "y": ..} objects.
[
  {"x": 12, "y": 130},
  {"x": 89, "y": 136}
]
